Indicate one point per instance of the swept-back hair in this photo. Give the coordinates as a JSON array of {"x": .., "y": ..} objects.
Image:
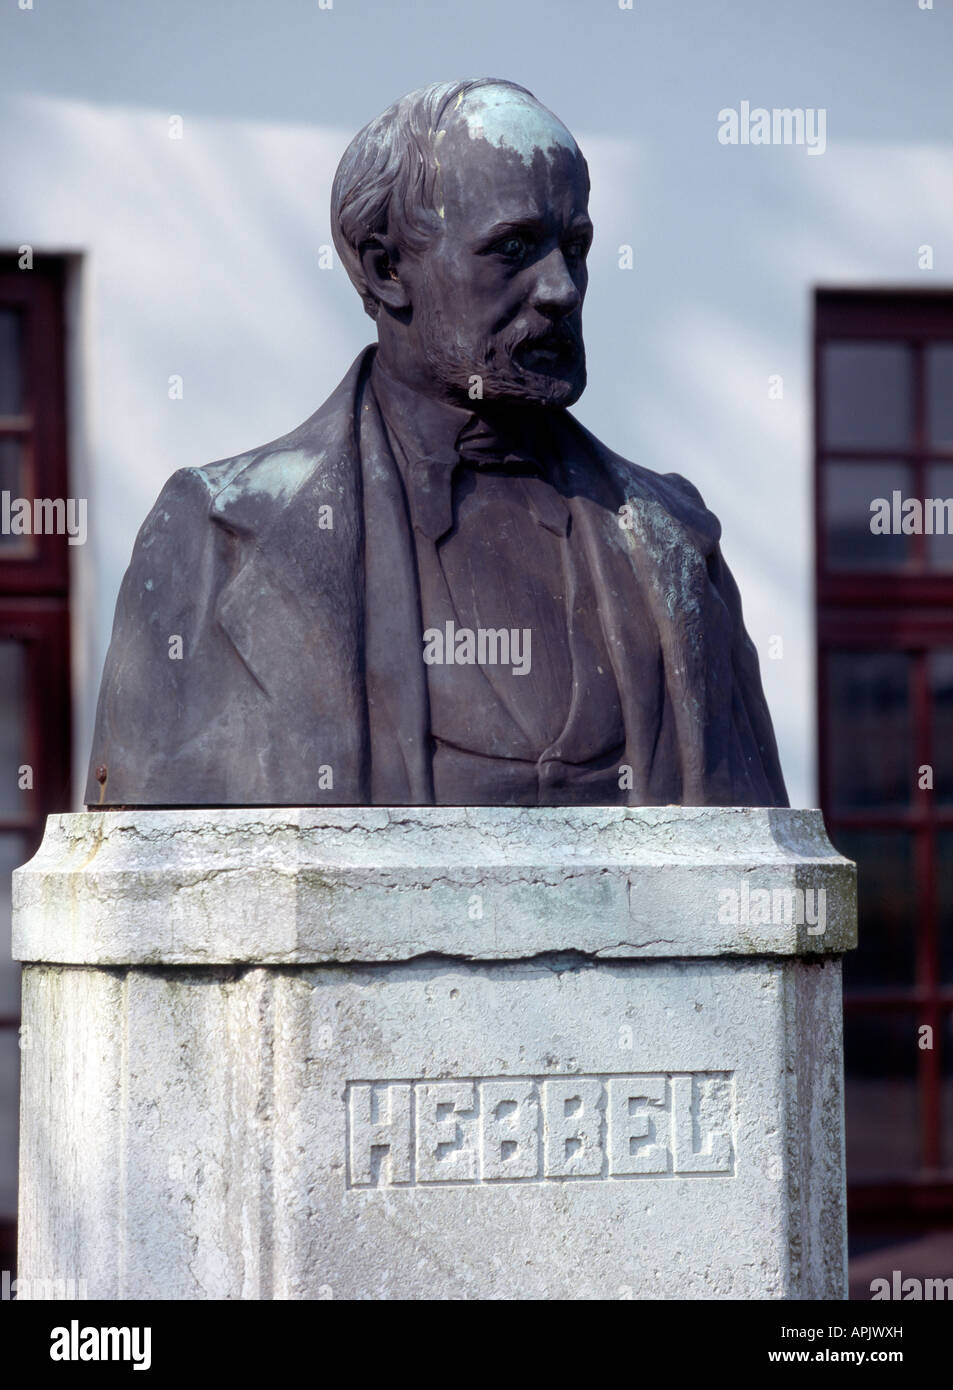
[{"x": 387, "y": 178}]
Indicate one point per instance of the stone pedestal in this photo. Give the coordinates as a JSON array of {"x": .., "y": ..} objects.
[{"x": 434, "y": 1053}]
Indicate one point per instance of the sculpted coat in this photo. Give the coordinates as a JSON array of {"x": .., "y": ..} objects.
[{"x": 268, "y": 703}]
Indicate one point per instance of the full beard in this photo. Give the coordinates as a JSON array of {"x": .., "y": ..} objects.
[{"x": 548, "y": 369}]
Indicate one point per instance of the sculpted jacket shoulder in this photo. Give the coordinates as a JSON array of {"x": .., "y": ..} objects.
[
  {"x": 231, "y": 559},
  {"x": 238, "y": 561}
]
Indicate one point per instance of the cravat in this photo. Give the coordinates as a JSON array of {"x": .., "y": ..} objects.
[{"x": 477, "y": 446}]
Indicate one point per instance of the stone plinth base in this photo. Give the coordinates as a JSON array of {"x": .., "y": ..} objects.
[{"x": 434, "y": 1053}]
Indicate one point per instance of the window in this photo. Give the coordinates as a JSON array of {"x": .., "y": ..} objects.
[
  {"x": 884, "y": 512},
  {"x": 34, "y": 634}
]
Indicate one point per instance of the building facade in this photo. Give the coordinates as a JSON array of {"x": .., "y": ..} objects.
[{"x": 770, "y": 313}]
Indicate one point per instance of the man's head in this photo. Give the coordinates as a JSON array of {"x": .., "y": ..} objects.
[{"x": 461, "y": 217}]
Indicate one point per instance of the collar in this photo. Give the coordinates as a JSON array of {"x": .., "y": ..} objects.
[
  {"x": 432, "y": 434},
  {"x": 426, "y": 428}
]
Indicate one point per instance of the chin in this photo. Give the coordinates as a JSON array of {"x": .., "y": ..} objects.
[{"x": 560, "y": 392}]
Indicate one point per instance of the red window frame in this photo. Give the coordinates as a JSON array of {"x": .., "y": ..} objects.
[
  {"x": 34, "y": 587},
  {"x": 911, "y": 612}
]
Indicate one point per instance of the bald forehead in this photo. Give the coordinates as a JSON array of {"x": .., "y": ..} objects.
[{"x": 509, "y": 120}]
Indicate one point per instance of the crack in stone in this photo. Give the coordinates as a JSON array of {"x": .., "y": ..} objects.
[{"x": 599, "y": 952}]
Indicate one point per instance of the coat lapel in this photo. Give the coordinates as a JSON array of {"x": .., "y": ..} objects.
[{"x": 398, "y": 702}]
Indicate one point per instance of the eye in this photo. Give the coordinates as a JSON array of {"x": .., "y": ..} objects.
[
  {"x": 512, "y": 248},
  {"x": 577, "y": 248}
]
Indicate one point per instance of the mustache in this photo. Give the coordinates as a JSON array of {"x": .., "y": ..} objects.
[
  {"x": 560, "y": 338},
  {"x": 558, "y": 347}
]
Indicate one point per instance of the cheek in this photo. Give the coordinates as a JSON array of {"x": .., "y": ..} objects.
[{"x": 475, "y": 290}]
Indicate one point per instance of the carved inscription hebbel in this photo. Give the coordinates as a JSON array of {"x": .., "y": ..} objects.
[{"x": 539, "y": 1129}]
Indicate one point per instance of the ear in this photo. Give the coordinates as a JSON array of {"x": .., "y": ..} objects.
[{"x": 380, "y": 262}]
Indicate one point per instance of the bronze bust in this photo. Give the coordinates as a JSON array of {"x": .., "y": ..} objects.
[{"x": 439, "y": 589}]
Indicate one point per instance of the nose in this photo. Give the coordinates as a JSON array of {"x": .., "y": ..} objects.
[{"x": 554, "y": 293}]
